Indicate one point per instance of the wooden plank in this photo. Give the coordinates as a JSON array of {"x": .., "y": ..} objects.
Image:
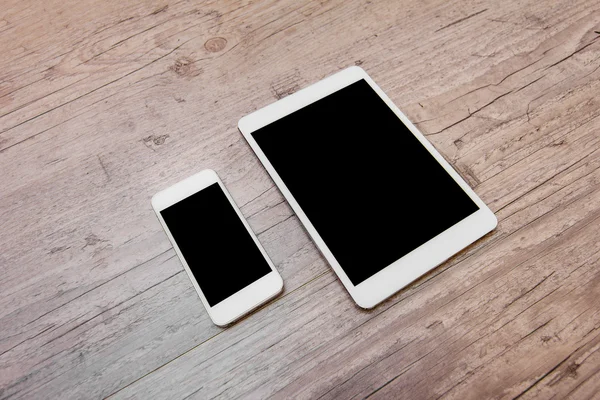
[
  {"x": 482, "y": 296},
  {"x": 102, "y": 106}
]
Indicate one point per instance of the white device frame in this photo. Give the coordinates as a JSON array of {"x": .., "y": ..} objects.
[
  {"x": 424, "y": 258},
  {"x": 248, "y": 298}
]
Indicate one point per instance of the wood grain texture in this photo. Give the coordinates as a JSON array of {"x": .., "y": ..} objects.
[{"x": 104, "y": 104}]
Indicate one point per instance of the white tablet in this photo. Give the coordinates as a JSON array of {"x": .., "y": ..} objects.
[{"x": 380, "y": 202}]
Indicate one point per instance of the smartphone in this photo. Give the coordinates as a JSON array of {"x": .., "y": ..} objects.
[{"x": 228, "y": 267}]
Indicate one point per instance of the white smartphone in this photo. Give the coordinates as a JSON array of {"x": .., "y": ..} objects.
[
  {"x": 228, "y": 267},
  {"x": 380, "y": 202}
]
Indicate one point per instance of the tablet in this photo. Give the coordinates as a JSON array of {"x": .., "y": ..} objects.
[{"x": 382, "y": 205}]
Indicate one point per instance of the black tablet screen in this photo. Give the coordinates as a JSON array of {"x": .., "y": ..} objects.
[{"x": 366, "y": 183}]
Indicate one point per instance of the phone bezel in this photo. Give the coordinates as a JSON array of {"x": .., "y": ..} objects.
[{"x": 248, "y": 298}]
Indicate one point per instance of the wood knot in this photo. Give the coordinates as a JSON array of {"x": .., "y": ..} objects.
[
  {"x": 58, "y": 249},
  {"x": 154, "y": 141},
  {"x": 92, "y": 240},
  {"x": 434, "y": 324},
  {"x": 182, "y": 66},
  {"x": 287, "y": 84},
  {"x": 571, "y": 370},
  {"x": 160, "y": 10},
  {"x": 216, "y": 44},
  {"x": 185, "y": 67},
  {"x": 214, "y": 13}
]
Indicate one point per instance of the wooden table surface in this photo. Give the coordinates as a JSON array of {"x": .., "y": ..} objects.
[{"x": 102, "y": 104}]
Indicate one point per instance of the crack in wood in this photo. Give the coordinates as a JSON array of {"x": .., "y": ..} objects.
[
  {"x": 554, "y": 175},
  {"x": 66, "y": 120},
  {"x": 536, "y": 329},
  {"x": 35, "y": 100},
  {"x": 102, "y": 284},
  {"x": 103, "y": 168},
  {"x": 458, "y": 21},
  {"x": 257, "y": 196},
  {"x": 92, "y": 91},
  {"x": 276, "y": 224},
  {"x": 470, "y": 114},
  {"x": 374, "y": 42},
  {"x": 113, "y": 307},
  {"x": 530, "y": 290},
  {"x": 549, "y": 372},
  {"x": 572, "y": 54}
]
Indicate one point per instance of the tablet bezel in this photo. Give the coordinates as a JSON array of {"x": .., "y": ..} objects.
[{"x": 419, "y": 261}]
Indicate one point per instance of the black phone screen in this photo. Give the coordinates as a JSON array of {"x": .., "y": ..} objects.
[{"x": 216, "y": 245}]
